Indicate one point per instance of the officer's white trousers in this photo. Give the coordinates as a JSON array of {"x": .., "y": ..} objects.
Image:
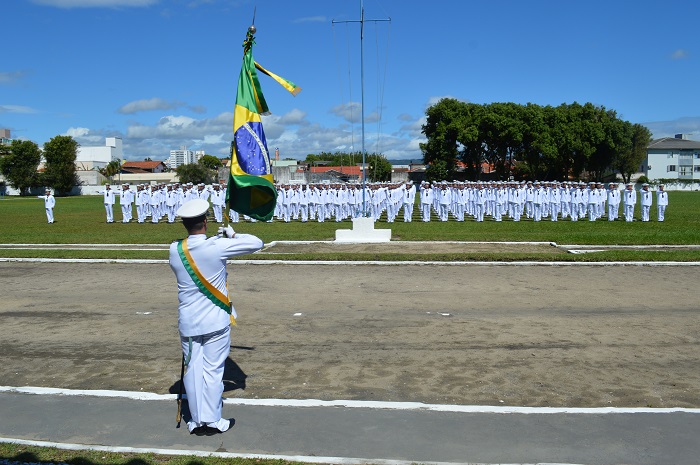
[
  {"x": 110, "y": 212},
  {"x": 661, "y": 212},
  {"x": 204, "y": 375}
]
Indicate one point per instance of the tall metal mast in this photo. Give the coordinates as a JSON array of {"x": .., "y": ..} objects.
[{"x": 362, "y": 92}]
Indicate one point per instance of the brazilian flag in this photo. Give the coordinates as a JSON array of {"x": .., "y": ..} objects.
[{"x": 251, "y": 190}]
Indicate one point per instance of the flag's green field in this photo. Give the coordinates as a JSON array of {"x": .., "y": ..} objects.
[{"x": 81, "y": 220}]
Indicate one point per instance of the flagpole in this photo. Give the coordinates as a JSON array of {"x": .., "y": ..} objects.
[{"x": 362, "y": 97}]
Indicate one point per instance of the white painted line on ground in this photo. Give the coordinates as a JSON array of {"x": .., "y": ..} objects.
[
  {"x": 647, "y": 246},
  {"x": 202, "y": 453},
  {"x": 376, "y": 405},
  {"x": 58, "y": 246},
  {"x": 82, "y": 260},
  {"x": 412, "y": 242},
  {"x": 81, "y": 248}
]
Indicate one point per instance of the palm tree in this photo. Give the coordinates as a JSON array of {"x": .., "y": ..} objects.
[{"x": 112, "y": 168}]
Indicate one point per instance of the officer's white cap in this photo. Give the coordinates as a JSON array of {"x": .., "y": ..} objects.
[{"x": 193, "y": 208}]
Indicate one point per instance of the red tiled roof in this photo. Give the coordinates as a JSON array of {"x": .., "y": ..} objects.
[
  {"x": 352, "y": 170},
  {"x": 144, "y": 165}
]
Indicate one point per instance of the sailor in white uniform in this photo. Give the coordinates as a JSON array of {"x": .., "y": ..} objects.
[
  {"x": 661, "y": 202},
  {"x": 108, "y": 200},
  {"x": 645, "y": 195},
  {"x": 629, "y": 199},
  {"x": 203, "y": 321},
  {"x": 50, "y": 202}
]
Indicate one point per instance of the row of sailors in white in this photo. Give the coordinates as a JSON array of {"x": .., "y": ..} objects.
[
  {"x": 160, "y": 200},
  {"x": 340, "y": 201},
  {"x": 320, "y": 202},
  {"x": 575, "y": 200}
]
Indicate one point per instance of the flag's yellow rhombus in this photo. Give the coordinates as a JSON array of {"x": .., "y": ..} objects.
[{"x": 259, "y": 197}]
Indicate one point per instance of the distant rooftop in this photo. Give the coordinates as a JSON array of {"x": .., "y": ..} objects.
[{"x": 680, "y": 142}]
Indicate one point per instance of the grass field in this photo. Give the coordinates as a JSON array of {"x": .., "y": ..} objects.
[
  {"x": 81, "y": 220},
  {"x": 32, "y": 454}
]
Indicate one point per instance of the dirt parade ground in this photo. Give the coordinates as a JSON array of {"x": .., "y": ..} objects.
[{"x": 575, "y": 336}]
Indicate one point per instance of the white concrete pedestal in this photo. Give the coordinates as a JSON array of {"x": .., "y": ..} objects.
[{"x": 362, "y": 231}]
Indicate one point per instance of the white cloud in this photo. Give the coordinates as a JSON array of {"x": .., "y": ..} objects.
[
  {"x": 679, "y": 54},
  {"x": 77, "y": 132},
  {"x": 86, "y": 137},
  {"x": 414, "y": 128},
  {"x": 294, "y": 116},
  {"x": 95, "y": 3},
  {"x": 351, "y": 112},
  {"x": 687, "y": 125},
  {"x": 149, "y": 105},
  {"x": 292, "y": 132},
  {"x": 8, "y": 77},
  {"x": 17, "y": 109}
]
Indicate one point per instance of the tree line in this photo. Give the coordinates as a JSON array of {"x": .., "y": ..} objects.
[
  {"x": 530, "y": 141},
  {"x": 20, "y": 161},
  {"x": 378, "y": 167}
]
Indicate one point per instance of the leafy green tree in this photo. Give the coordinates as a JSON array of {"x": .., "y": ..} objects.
[
  {"x": 631, "y": 157},
  {"x": 534, "y": 141},
  {"x": 336, "y": 158},
  {"x": 437, "y": 171},
  {"x": 378, "y": 168},
  {"x": 19, "y": 163},
  {"x": 446, "y": 123},
  {"x": 194, "y": 173},
  {"x": 60, "y": 173},
  {"x": 210, "y": 162}
]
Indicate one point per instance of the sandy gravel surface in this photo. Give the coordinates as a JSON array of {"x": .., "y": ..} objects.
[{"x": 586, "y": 336}]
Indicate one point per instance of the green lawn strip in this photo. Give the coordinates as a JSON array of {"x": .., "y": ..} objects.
[
  {"x": 608, "y": 255},
  {"x": 33, "y": 454},
  {"x": 82, "y": 220}
]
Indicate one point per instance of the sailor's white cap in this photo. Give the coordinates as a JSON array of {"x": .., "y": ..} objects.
[{"x": 193, "y": 208}]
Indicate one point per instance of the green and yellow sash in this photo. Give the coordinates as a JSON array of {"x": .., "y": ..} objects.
[{"x": 216, "y": 296}]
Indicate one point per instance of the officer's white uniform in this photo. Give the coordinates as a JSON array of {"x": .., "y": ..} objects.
[
  {"x": 108, "y": 198},
  {"x": 629, "y": 199},
  {"x": 126, "y": 198},
  {"x": 645, "y": 196},
  {"x": 49, "y": 203},
  {"x": 613, "y": 202},
  {"x": 201, "y": 321},
  {"x": 661, "y": 202}
]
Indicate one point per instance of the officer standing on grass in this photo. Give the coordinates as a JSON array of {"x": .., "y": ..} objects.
[
  {"x": 629, "y": 198},
  {"x": 646, "y": 197},
  {"x": 49, "y": 203},
  {"x": 661, "y": 202},
  {"x": 205, "y": 311},
  {"x": 108, "y": 200}
]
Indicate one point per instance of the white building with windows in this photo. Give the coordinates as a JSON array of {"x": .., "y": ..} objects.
[
  {"x": 673, "y": 158},
  {"x": 92, "y": 158},
  {"x": 180, "y": 157}
]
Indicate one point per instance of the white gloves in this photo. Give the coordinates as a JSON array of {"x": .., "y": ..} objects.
[{"x": 226, "y": 232}]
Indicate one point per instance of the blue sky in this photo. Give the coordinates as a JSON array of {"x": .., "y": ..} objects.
[{"x": 162, "y": 74}]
